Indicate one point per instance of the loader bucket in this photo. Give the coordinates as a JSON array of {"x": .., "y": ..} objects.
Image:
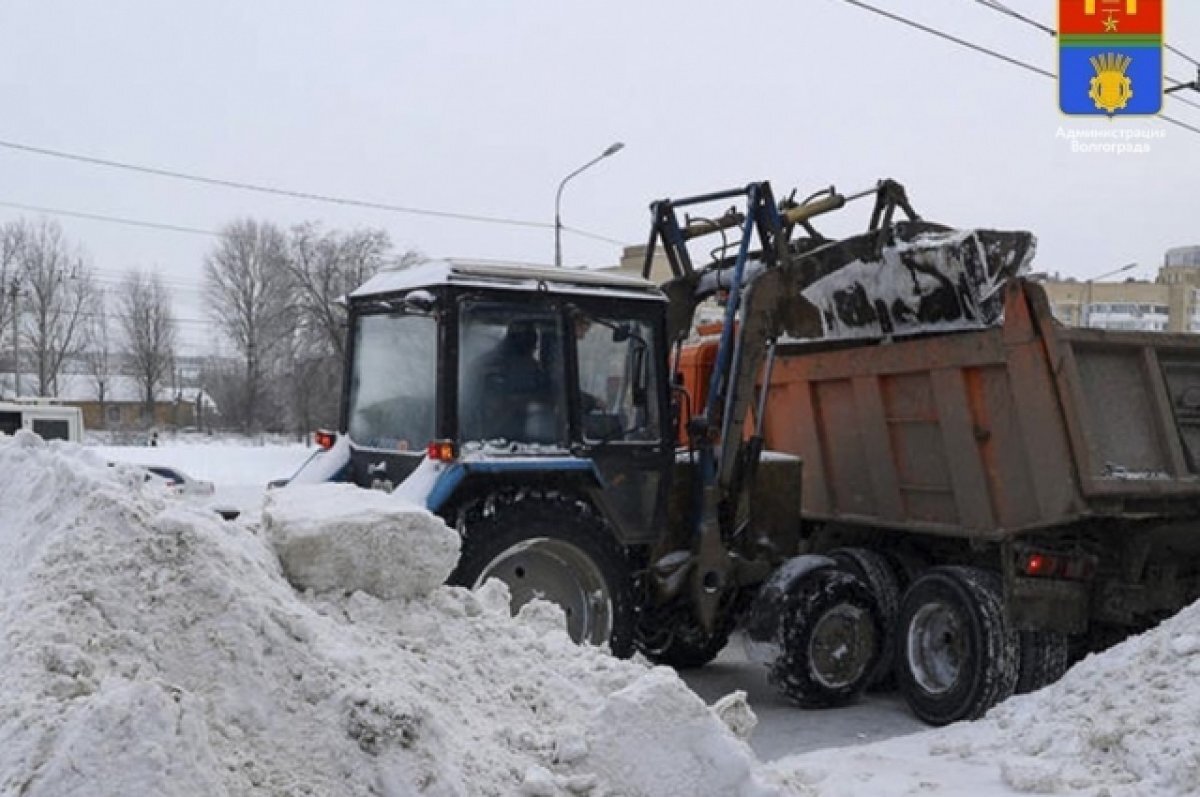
[{"x": 916, "y": 277}]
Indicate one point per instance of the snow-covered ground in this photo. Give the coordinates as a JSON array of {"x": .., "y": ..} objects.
[
  {"x": 239, "y": 471},
  {"x": 151, "y": 649}
]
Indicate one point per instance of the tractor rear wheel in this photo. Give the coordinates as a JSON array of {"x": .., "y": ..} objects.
[{"x": 558, "y": 549}]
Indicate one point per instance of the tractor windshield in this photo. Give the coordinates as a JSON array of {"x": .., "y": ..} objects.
[
  {"x": 511, "y": 386},
  {"x": 393, "y": 384}
]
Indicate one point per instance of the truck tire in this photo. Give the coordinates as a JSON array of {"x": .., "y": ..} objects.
[
  {"x": 878, "y": 573},
  {"x": 956, "y": 656},
  {"x": 558, "y": 549},
  {"x": 828, "y": 640},
  {"x": 1045, "y": 657}
]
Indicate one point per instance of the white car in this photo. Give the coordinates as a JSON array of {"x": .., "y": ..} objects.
[{"x": 180, "y": 483}]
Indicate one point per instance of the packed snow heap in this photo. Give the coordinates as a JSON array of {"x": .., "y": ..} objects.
[{"x": 150, "y": 648}]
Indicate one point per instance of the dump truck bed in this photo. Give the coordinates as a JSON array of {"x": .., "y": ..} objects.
[{"x": 993, "y": 432}]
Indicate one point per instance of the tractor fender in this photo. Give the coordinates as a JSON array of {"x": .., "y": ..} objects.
[{"x": 434, "y": 484}]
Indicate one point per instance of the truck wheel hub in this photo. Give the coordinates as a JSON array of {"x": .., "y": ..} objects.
[
  {"x": 937, "y": 648},
  {"x": 841, "y": 646}
]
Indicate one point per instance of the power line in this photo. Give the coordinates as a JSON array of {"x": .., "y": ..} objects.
[
  {"x": 287, "y": 192},
  {"x": 951, "y": 38},
  {"x": 986, "y": 51},
  {"x": 1182, "y": 55},
  {"x": 996, "y": 5},
  {"x": 78, "y": 214},
  {"x": 1000, "y": 7}
]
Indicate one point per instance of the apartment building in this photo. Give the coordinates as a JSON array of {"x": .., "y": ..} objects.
[{"x": 1169, "y": 304}]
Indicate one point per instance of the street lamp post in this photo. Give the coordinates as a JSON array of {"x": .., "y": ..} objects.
[
  {"x": 1088, "y": 307},
  {"x": 613, "y": 149}
]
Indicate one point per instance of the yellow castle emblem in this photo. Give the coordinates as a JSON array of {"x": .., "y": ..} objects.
[{"x": 1111, "y": 89}]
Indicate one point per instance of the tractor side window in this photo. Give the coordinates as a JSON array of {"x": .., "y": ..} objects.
[
  {"x": 510, "y": 374},
  {"x": 393, "y": 384},
  {"x": 617, "y": 380}
]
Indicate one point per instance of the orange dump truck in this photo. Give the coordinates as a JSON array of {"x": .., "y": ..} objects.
[{"x": 1013, "y": 494}]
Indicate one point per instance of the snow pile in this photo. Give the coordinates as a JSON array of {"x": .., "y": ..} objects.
[
  {"x": 1121, "y": 723},
  {"x": 339, "y": 537},
  {"x": 150, "y": 649}
]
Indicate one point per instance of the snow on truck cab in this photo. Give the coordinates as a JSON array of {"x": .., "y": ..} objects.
[{"x": 44, "y": 417}]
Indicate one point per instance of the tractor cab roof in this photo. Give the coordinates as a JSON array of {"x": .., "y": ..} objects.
[{"x": 507, "y": 276}]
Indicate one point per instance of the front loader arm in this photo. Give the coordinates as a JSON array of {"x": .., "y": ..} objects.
[{"x": 898, "y": 277}]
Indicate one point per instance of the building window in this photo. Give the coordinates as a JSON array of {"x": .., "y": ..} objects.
[{"x": 112, "y": 414}]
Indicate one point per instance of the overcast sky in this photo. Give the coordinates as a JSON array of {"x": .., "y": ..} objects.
[{"x": 483, "y": 107}]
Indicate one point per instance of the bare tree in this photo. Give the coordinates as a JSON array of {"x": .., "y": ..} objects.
[
  {"x": 11, "y": 236},
  {"x": 58, "y": 291},
  {"x": 325, "y": 266},
  {"x": 149, "y": 333},
  {"x": 247, "y": 286},
  {"x": 99, "y": 357}
]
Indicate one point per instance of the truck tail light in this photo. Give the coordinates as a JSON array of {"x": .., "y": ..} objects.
[
  {"x": 441, "y": 451},
  {"x": 325, "y": 438},
  {"x": 1043, "y": 564},
  {"x": 1040, "y": 564}
]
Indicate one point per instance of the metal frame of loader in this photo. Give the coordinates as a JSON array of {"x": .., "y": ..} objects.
[{"x": 767, "y": 298}]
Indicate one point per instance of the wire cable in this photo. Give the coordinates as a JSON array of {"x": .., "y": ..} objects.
[
  {"x": 951, "y": 38},
  {"x": 1182, "y": 55},
  {"x": 996, "y": 5},
  {"x": 78, "y": 214},
  {"x": 986, "y": 51},
  {"x": 286, "y": 192}
]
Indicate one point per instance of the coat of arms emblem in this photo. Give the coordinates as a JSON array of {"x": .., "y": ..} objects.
[{"x": 1110, "y": 57}]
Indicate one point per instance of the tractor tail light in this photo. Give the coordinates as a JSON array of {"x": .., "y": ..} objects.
[
  {"x": 441, "y": 450},
  {"x": 325, "y": 438}
]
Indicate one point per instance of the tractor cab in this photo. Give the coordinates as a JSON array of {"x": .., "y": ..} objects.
[{"x": 504, "y": 373}]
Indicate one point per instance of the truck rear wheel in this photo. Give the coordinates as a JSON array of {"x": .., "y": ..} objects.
[
  {"x": 559, "y": 550},
  {"x": 828, "y": 640},
  {"x": 956, "y": 655},
  {"x": 877, "y": 573},
  {"x": 1045, "y": 657}
]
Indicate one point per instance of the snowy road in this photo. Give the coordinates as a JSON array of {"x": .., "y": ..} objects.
[{"x": 783, "y": 729}]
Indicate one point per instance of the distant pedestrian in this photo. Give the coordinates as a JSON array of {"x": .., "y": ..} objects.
[{"x": 154, "y": 438}]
